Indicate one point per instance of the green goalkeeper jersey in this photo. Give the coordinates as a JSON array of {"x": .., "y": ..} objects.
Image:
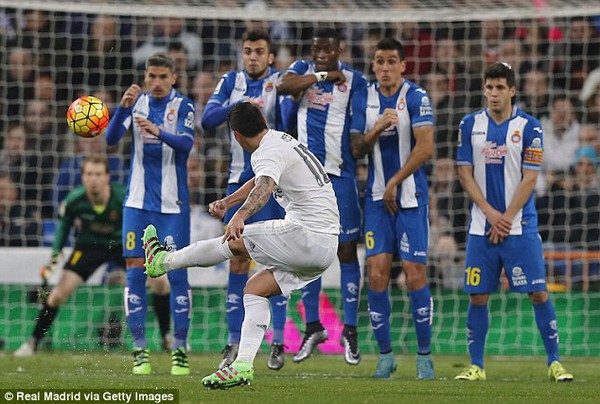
[{"x": 97, "y": 227}]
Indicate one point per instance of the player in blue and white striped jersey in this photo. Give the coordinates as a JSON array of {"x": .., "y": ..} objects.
[
  {"x": 499, "y": 156},
  {"x": 329, "y": 93},
  {"x": 255, "y": 84},
  {"x": 399, "y": 140},
  {"x": 162, "y": 126}
]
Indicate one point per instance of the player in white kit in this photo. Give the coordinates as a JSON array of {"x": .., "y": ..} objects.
[{"x": 296, "y": 249}]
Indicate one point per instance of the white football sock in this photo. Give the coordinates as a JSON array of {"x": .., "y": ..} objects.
[
  {"x": 256, "y": 321},
  {"x": 205, "y": 253}
]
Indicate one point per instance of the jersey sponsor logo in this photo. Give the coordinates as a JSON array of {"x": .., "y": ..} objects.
[
  {"x": 372, "y": 106},
  {"x": 319, "y": 99},
  {"x": 404, "y": 244},
  {"x": 171, "y": 115},
  {"x": 189, "y": 120},
  {"x": 402, "y": 104},
  {"x": 516, "y": 137},
  {"x": 478, "y": 133},
  {"x": 538, "y": 281},
  {"x": 494, "y": 153},
  {"x": 518, "y": 277},
  {"x": 420, "y": 254}
]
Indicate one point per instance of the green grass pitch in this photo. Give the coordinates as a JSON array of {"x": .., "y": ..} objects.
[{"x": 321, "y": 379}]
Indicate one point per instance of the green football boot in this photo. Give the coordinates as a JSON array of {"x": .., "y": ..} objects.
[
  {"x": 179, "y": 362},
  {"x": 238, "y": 374},
  {"x": 472, "y": 373},
  {"x": 141, "y": 362},
  {"x": 155, "y": 253},
  {"x": 557, "y": 373}
]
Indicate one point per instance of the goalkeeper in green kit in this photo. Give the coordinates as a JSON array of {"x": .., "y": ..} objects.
[{"x": 94, "y": 210}]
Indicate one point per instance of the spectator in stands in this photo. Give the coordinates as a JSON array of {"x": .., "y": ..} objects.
[
  {"x": 534, "y": 36},
  {"x": 446, "y": 110},
  {"x": 45, "y": 88},
  {"x": 177, "y": 51},
  {"x": 24, "y": 167},
  {"x": 492, "y": 34},
  {"x": 107, "y": 62},
  {"x": 448, "y": 201},
  {"x": 561, "y": 136},
  {"x": 447, "y": 59},
  {"x": 589, "y": 135},
  {"x": 446, "y": 269},
  {"x": 581, "y": 53},
  {"x": 20, "y": 78},
  {"x": 536, "y": 94},
  {"x": 590, "y": 97},
  {"x": 417, "y": 43},
  {"x": 166, "y": 31},
  {"x": 20, "y": 224},
  {"x": 202, "y": 225}
]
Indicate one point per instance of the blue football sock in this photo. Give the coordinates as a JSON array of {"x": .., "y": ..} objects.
[
  {"x": 379, "y": 311},
  {"x": 181, "y": 306},
  {"x": 422, "y": 311},
  {"x": 477, "y": 329},
  {"x": 310, "y": 298},
  {"x": 135, "y": 305},
  {"x": 279, "y": 310},
  {"x": 235, "y": 306},
  {"x": 350, "y": 284},
  {"x": 545, "y": 317}
]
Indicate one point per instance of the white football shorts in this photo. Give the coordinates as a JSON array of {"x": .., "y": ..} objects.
[{"x": 295, "y": 255}]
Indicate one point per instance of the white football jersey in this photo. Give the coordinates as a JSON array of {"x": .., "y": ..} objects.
[{"x": 303, "y": 187}]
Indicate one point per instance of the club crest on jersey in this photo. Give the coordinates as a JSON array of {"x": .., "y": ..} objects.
[
  {"x": 171, "y": 115},
  {"x": 516, "y": 137},
  {"x": 342, "y": 87},
  {"x": 402, "y": 104},
  {"x": 318, "y": 99},
  {"x": 494, "y": 153},
  {"x": 269, "y": 87}
]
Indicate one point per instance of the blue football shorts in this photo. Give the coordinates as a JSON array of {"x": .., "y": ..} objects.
[
  {"x": 406, "y": 233},
  {"x": 173, "y": 230},
  {"x": 520, "y": 256},
  {"x": 346, "y": 194}
]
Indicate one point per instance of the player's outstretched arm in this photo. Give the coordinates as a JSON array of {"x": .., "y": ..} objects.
[{"x": 258, "y": 197}]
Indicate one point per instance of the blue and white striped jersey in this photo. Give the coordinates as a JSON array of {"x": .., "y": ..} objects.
[
  {"x": 158, "y": 180},
  {"x": 235, "y": 87},
  {"x": 395, "y": 144},
  {"x": 328, "y": 113},
  {"x": 498, "y": 154}
]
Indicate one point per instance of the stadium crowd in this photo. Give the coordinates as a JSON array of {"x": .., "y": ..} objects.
[{"x": 48, "y": 59}]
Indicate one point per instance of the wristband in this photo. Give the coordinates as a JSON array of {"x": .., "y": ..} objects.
[{"x": 321, "y": 76}]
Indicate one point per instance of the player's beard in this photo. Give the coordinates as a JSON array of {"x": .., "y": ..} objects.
[{"x": 258, "y": 75}]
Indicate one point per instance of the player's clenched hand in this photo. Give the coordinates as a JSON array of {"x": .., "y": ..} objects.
[
  {"x": 130, "y": 95},
  {"x": 147, "y": 126},
  {"x": 235, "y": 228},
  {"x": 336, "y": 76},
  {"x": 389, "y": 118},
  {"x": 217, "y": 208},
  {"x": 389, "y": 198}
]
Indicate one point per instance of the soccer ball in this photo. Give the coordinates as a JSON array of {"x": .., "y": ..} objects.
[{"x": 87, "y": 116}]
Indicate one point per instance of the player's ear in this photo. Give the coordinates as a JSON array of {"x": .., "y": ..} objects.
[
  {"x": 173, "y": 78},
  {"x": 271, "y": 58},
  {"x": 402, "y": 66}
]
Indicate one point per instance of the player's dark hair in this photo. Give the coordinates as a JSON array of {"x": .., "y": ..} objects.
[
  {"x": 390, "y": 44},
  {"x": 500, "y": 70},
  {"x": 96, "y": 159},
  {"x": 161, "y": 60},
  {"x": 257, "y": 35},
  {"x": 328, "y": 33},
  {"x": 246, "y": 119}
]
